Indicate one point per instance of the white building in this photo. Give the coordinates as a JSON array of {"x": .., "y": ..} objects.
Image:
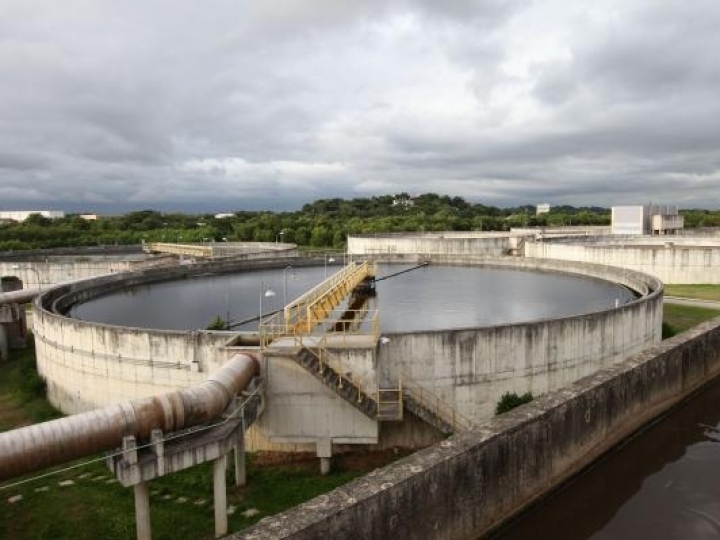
[
  {"x": 646, "y": 219},
  {"x": 543, "y": 208},
  {"x": 22, "y": 215}
]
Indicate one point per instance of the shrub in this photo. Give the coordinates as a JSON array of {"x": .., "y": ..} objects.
[
  {"x": 510, "y": 400},
  {"x": 668, "y": 331},
  {"x": 218, "y": 323}
]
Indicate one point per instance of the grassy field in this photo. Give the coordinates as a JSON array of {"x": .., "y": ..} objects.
[
  {"x": 677, "y": 319},
  {"x": 87, "y": 502},
  {"x": 702, "y": 292}
]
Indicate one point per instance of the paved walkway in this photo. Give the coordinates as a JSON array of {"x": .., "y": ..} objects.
[{"x": 710, "y": 304}]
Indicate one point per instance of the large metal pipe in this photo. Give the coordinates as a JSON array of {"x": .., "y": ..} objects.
[
  {"x": 36, "y": 447},
  {"x": 22, "y": 296}
]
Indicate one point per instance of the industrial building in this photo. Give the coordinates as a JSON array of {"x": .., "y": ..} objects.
[{"x": 646, "y": 219}]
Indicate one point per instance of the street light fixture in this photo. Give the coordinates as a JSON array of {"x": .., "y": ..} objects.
[
  {"x": 328, "y": 260},
  {"x": 266, "y": 291},
  {"x": 288, "y": 267}
]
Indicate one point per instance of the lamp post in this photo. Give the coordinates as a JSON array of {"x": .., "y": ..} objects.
[
  {"x": 328, "y": 260},
  {"x": 266, "y": 291},
  {"x": 288, "y": 267}
]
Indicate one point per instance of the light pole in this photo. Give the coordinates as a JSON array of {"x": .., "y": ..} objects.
[
  {"x": 266, "y": 291},
  {"x": 328, "y": 260},
  {"x": 288, "y": 267}
]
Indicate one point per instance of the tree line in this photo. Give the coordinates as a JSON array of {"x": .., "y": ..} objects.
[{"x": 322, "y": 223}]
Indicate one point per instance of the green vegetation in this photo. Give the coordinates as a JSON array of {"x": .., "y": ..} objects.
[
  {"x": 323, "y": 223},
  {"x": 510, "y": 400},
  {"x": 218, "y": 323},
  {"x": 677, "y": 318},
  {"x": 22, "y": 391},
  {"x": 701, "y": 292},
  {"x": 96, "y": 506}
]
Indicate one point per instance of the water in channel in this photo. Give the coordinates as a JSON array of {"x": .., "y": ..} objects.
[
  {"x": 429, "y": 298},
  {"x": 662, "y": 485}
]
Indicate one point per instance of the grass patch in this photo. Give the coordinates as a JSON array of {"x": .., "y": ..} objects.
[
  {"x": 22, "y": 391},
  {"x": 96, "y": 506},
  {"x": 701, "y": 292},
  {"x": 677, "y": 318}
]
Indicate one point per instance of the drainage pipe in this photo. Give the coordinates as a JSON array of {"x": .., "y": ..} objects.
[
  {"x": 36, "y": 447},
  {"x": 22, "y": 296}
]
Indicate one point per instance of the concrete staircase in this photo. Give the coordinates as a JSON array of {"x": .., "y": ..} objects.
[
  {"x": 429, "y": 407},
  {"x": 387, "y": 405},
  {"x": 340, "y": 385},
  {"x": 427, "y": 415}
]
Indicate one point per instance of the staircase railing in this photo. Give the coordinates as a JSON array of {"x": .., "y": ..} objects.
[{"x": 434, "y": 405}]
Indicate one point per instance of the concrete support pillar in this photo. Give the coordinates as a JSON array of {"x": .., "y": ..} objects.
[
  {"x": 221, "y": 521},
  {"x": 158, "y": 448},
  {"x": 142, "y": 511},
  {"x": 240, "y": 470},
  {"x": 323, "y": 448}
]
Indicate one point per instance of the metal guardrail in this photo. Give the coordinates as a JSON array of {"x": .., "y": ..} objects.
[
  {"x": 311, "y": 308},
  {"x": 339, "y": 328},
  {"x": 432, "y": 403}
]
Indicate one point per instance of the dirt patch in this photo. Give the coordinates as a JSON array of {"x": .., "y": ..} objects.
[{"x": 355, "y": 461}]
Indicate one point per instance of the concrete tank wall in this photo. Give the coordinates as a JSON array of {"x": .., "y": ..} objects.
[
  {"x": 682, "y": 261},
  {"x": 467, "y": 485},
  {"x": 471, "y": 368},
  {"x": 446, "y": 243},
  {"x": 87, "y": 365},
  {"x": 58, "y": 270}
]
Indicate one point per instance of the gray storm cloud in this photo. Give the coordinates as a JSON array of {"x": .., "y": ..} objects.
[{"x": 228, "y": 105}]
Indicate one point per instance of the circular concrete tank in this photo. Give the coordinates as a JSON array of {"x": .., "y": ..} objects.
[{"x": 88, "y": 364}]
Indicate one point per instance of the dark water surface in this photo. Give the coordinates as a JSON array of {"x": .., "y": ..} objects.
[
  {"x": 662, "y": 485},
  {"x": 430, "y": 298}
]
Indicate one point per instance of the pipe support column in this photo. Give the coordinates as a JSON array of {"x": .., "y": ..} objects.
[
  {"x": 142, "y": 511},
  {"x": 220, "y": 494}
]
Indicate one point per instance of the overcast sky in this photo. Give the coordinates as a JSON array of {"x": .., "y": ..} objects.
[{"x": 227, "y": 105}]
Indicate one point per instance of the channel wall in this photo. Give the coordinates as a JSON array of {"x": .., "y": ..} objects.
[{"x": 469, "y": 484}]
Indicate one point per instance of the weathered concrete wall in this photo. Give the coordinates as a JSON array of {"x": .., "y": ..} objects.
[
  {"x": 471, "y": 368},
  {"x": 300, "y": 409},
  {"x": 672, "y": 259},
  {"x": 52, "y": 271},
  {"x": 446, "y": 243},
  {"x": 469, "y": 484},
  {"x": 90, "y": 365}
]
